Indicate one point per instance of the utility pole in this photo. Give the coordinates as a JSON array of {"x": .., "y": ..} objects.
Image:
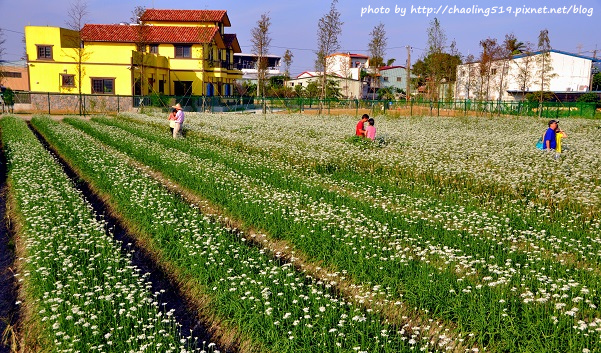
[{"x": 408, "y": 71}]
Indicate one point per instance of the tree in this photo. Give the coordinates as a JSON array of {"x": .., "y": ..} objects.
[
  {"x": 75, "y": 21},
  {"x": 377, "y": 50},
  {"x": 596, "y": 82},
  {"x": 9, "y": 98},
  {"x": 544, "y": 63},
  {"x": 525, "y": 66},
  {"x": 312, "y": 89},
  {"x": 329, "y": 27},
  {"x": 437, "y": 38},
  {"x": 434, "y": 69},
  {"x": 298, "y": 89},
  {"x": 287, "y": 61},
  {"x": 390, "y": 61},
  {"x": 490, "y": 53},
  {"x": 388, "y": 93},
  {"x": 245, "y": 89},
  {"x": 513, "y": 45},
  {"x": 589, "y": 97},
  {"x": 140, "y": 53},
  {"x": 261, "y": 40},
  {"x": 468, "y": 77},
  {"x": 438, "y": 66},
  {"x": 332, "y": 88},
  {"x": 2, "y": 40},
  {"x": 507, "y": 50}
]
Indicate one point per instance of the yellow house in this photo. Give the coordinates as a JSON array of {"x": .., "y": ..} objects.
[{"x": 173, "y": 52}]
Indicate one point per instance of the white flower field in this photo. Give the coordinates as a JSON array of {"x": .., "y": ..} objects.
[{"x": 290, "y": 235}]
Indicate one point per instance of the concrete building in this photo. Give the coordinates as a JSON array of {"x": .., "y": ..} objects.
[
  {"x": 174, "y": 52},
  {"x": 247, "y": 64},
  {"x": 395, "y": 76},
  {"x": 513, "y": 79},
  {"x": 349, "y": 88},
  {"x": 14, "y": 75},
  {"x": 347, "y": 64}
]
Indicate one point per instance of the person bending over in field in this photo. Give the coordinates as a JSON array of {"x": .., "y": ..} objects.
[
  {"x": 360, "y": 129},
  {"x": 550, "y": 139}
]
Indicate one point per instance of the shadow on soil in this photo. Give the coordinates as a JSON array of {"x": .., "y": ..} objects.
[
  {"x": 183, "y": 312},
  {"x": 8, "y": 293}
]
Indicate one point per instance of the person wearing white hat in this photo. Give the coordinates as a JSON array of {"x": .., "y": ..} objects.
[{"x": 179, "y": 119}]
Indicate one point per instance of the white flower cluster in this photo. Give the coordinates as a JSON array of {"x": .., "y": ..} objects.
[
  {"x": 87, "y": 295},
  {"x": 248, "y": 286}
]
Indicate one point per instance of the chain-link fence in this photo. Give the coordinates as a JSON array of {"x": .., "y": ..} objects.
[
  {"x": 86, "y": 104},
  {"x": 434, "y": 108}
]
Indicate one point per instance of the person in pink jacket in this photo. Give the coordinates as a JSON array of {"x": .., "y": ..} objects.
[
  {"x": 370, "y": 131},
  {"x": 179, "y": 120}
]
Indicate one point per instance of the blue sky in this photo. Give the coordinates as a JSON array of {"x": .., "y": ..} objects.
[{"x": 294, "y": 23}]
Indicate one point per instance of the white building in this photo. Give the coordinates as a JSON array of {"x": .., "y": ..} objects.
[
  {"x": 349, "y": 88},
  {"x": 512, "y": 79},
  {"x": 247, "y": 64},
  {"x": 347, "y": 65}
]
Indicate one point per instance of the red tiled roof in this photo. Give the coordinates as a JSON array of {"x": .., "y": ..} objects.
[
  {"x": 155, "y": 34},
  {"x": 351, "y": 55},
  {"x": 231, "y": 41},
  {"x": 383, "y": 68},
  {"x": 186, "y": 16}
]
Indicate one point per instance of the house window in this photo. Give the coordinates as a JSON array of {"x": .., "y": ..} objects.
[
  {"x": 493, "y": 71},
  {"x": 103, "y": 85},
  {"x": 67, "y": 80},
  {"x": 154, "y": 48},
  {"x": 44, "y": 52},
  {"x": 183, "y": 51},
  {"x": 141, "y": 48},
  {"x": 10, "y": 74},
  {"x": 385, "y": 78},
  {"x": 399, "y": 79}
]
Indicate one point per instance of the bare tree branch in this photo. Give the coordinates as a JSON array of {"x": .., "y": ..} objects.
[
  {"x": 329, "y": 28},
  {"x": 261, "y": 41}
]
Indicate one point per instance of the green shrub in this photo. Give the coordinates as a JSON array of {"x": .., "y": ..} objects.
[{"x": 159, "y": 100}]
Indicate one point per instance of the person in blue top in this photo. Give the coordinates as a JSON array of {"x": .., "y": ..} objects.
[{"x": 549, "y": 141}]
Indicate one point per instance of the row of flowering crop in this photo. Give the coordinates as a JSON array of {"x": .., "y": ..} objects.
[
  {"x": 503, "y": 293},
  {"x": 506, "y": 222},
  {"x": 250, "y": 291},
  {"x": 559, "y": 229},
  {"x": 80, "y": 292},
  {"x": 495, "y": 155}
]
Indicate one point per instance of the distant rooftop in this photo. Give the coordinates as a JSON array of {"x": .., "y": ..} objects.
[
  {"x": 186, "y": 16},
  {"x": 154, "y": 34}
]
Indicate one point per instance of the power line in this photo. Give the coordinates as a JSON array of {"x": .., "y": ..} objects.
[
  {"x": 10, "y": 30},
  {"x": 343, "y": 50}
]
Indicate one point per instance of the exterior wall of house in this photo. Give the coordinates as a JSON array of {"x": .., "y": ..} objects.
[
  {"x": 246, "y": 63},
  {"x": 14, "y": 75},
  {"x": 349, "y": 88},
  {"x": 346, "y": 65},
  {"x": 124, "y": 65},
  {"x": 394, "y": 77},
  {"x": 570, "y": 73}
]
